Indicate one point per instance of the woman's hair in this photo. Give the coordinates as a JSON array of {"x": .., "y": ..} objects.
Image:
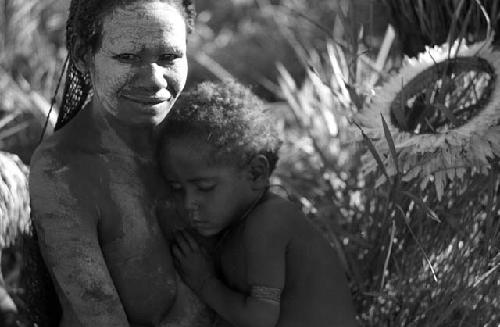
[
  {"x": 85, "y": 25},
  {"x": 229, "y": 118}
]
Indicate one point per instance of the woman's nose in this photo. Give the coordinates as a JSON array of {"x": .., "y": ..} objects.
[{"x": 152, "y": 78}]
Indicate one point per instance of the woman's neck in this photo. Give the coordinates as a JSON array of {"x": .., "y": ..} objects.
[{"x": 113, "y": 136}]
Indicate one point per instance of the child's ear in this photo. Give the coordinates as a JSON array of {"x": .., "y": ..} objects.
[{"x": 259, "y": 172}]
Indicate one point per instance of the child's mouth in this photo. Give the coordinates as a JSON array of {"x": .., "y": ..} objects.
[
  {"x": 200, "y": 225},
  {"x": 194, "y": 216}
]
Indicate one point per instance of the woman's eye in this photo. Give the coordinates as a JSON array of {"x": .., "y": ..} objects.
[
  {"x": 126, "y": 57},
  {"x": 168, "y": 57}
]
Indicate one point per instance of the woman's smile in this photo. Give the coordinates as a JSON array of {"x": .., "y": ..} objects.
[{"x": 146, "y": 100}]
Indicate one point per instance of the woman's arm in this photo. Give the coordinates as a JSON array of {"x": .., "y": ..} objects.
[
  {"x": 187, "y": 310},
  {"x": 66, "y": 221}
]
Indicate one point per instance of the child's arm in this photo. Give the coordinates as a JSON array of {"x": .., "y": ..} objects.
[{"x": 265, "y": 254}]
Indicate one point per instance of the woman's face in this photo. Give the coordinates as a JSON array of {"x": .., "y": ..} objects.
[{"x": 141, "y": 66}]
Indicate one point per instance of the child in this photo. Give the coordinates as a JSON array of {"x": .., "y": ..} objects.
[{"x": 268, "y": 266}]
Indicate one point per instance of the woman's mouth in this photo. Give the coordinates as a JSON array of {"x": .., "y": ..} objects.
[{"x": 145, "y": 100}]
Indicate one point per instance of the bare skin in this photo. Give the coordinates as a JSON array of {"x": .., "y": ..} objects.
[
  {"x": 277, "y": 247},
  {"x": 97, "y": 222},
  {"x": 262, "y": 240},
  {"x": 95, "y": 185}
]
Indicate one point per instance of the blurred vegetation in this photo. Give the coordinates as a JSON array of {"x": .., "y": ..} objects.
[{"x": 412, "y": 260}]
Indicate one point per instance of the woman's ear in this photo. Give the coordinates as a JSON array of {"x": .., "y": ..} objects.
[
  {"x": 80, "y": 54},
  {"x": 259, "y": 172}
]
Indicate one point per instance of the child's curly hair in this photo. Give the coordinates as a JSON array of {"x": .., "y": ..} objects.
[{"x": 228, "y": 117}]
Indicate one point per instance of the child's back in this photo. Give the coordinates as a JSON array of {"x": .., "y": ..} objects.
[{"x": 276, "y": 239}]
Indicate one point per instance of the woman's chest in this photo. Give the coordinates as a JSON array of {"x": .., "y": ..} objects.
[
  {"x": 128, "y": 205},
  {"x": 133, "y": 244}
]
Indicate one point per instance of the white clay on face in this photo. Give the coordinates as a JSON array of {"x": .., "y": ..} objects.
[{"x": 142, "y": 56}]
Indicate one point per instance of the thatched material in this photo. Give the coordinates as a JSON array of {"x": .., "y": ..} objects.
[
  {"x": 14, "y": 198},
  {"x": 14, "y": 214}
]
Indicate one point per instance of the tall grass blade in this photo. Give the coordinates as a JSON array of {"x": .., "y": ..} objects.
[
  {"x": 428, "y": 211},
  {"x": 418, "y": 243},
  {"x": 455, "y": 19},
  {"x": 373, "y": 151},
  {"x": 390, "y": 142}
]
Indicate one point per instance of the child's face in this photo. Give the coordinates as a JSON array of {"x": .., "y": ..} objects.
[{"x": 211, "y": 195}]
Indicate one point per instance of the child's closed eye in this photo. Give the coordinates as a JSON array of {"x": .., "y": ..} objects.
[{"x": 206, "y": 186}]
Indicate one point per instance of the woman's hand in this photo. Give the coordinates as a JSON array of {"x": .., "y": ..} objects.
[{"x": 192, "y": 262}]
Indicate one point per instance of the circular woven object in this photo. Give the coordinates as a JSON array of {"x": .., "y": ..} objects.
[
  {"x": 442, "y": 110},
  {"x": 419, "y": 107}
]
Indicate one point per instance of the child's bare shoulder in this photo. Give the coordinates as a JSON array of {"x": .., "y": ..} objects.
[{"x": 274, "y": 217}]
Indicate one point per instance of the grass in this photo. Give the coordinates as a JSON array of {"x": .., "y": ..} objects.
[
  {"x": 31, "y": 41},
  {"x": 411, "y": 260}
]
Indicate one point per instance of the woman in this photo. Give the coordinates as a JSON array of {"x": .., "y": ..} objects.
[{"x": 94, "y": 183}]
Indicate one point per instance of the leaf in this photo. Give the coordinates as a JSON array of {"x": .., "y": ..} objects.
[
  {"x": 451, "y": 173},
  {"x": 447, "y": 112},
  {"x": 493, "y": 137},
  {"x": 424, "y": 182},
  {"x": 390, "y": 142},
  {"x": 399, "y": 112},
  {"x": 440, "y": 183},
  {"x": 453, "y": 28},
  {"x": 481, "y": 149},
  {"x": 411, "y": 174},
  {"x": 344, "y": 7},
  {"x": 447, "y": 157},
  {"x": 460, "y": 173},
  {"x": 418, "y": 242},
  {"x": 428, "y": 211},
  {"x": 380, "y": 181},
  {"x": 373, "y": 151},
  {"x": 400, "y": 118},
  {"x": 356, "y": 98}
]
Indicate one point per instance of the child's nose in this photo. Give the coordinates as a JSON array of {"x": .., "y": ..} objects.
[
  {"x": 193, "y": 211},
  {"x": 191, "y": 203},
  {"x": 192, "y": 206}
]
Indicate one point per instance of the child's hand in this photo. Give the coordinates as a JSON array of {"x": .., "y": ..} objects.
[{"x": 191, "y": 261}]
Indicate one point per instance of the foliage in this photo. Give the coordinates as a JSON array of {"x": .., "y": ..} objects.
[
  {"x": 427, "y": 22},
  {"x": 14, "y": 218},
  {"x": 14, "y": 198},
  {"x": 444, "y": 120},
  {"x": 31, "y": 48},
  {"x": 412, "y": 260}
]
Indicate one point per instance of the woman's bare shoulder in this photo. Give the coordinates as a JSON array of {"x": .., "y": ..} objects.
[
  {"x": 60, "y": 152},
  {"x": 60, "y": 179}
]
